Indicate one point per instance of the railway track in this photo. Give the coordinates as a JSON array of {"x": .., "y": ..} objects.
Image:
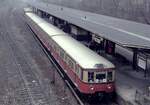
[
  {"x": 22, "y": 89},
  {"x": 32, "y": 86},
  {"x": 29, "y": 90},
  {"x": 58, "y": 68}
]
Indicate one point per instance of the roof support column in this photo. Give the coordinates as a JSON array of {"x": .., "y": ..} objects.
[
  {"x": 66, "y": 27},
  {"x": 135, "y": 56}
]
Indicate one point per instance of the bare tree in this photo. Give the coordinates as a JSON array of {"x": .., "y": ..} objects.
[{"x": 144, "y": 12}]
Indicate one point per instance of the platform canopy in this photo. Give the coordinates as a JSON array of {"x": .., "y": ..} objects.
[{"x": 119, "y": 31}]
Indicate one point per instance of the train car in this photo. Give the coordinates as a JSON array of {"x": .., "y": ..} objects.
[{"x": 90, "y": 73}]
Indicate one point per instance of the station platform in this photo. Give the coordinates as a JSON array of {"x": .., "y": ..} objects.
[{"x": 132, "y": 86}]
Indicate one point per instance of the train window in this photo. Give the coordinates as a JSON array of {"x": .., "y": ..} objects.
[
  {"x": 57, "y": 49},
  {"x": 109, "y": 76},
  {"x": 70, "y": 63},
  {"x": 65, "y": 57},
  {"x": 62, "y": 54},
  {"x": 100, "y": 77},
  {"x": 78, "y": 71},
  {"x": 90, "y": 76},
  {"x": 54, "y": 48}
]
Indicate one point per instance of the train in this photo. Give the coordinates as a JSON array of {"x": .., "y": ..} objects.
[{"x": 89, "y": 72}]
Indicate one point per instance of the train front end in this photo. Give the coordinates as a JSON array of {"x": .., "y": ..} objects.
[{"x": 98, "y": 81}]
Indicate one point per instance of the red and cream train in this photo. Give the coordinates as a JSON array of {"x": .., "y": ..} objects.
[{"x": 88, "y": 71}]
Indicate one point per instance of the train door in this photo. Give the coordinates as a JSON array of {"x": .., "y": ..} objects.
[{"x": 78, "y": 76}]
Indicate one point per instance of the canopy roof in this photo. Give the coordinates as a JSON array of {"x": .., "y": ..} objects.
[{"x": 122, "y": 32}]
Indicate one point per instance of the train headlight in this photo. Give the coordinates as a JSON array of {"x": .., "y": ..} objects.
[
  {"x": 109, "y": 87},
  {"x": 92, "y": 88}
]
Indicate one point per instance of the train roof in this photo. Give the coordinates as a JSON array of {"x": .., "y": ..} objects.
[
  {"x": 85, "y": 57},
  {"x": 35, "y": 18},
  {"x": 47, "y": 27}
]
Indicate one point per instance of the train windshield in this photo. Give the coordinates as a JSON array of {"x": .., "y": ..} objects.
[{"x": 100, "y": 77}]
